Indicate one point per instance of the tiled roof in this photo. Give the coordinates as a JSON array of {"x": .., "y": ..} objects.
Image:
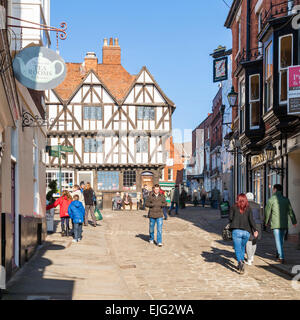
[{"x": 116, "y": 79}]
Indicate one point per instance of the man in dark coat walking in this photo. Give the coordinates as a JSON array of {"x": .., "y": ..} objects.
[{"x": 156, "y": 202}]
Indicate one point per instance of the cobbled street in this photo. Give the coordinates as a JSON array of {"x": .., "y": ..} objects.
[{"x": 116, "y": 261}]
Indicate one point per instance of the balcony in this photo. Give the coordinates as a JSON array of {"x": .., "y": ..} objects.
[{"x": 278, "y": 10}]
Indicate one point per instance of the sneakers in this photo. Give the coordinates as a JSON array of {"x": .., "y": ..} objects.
[
  {"x": 151, "y": 241},
  {"x": 74, "y": 241},
  {"x": 160, "y": 244},
  {"x": 249, "y": 262},
  {"x": 280, "y": 260}
]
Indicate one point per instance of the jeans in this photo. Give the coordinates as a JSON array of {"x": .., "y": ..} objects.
[
  {"x": 215, "y": 204},
  {"x": 279, "y": 235},
  {"x": 172, "y": 207},
  {"x": 165, "y": 212},
  {"x": 90, "y": 209},
  {"x": 77, "y": 231},
  {"x": 65, "y": 221},
  {"x": 240, "y": 239},
  {"x": 159, "y": 222},
  {"x": 144, "y": 203},
  {"x": 203, "y": 200}
]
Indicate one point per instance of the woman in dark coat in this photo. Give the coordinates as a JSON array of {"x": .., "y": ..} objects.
[{"x": 242, "y": 226}]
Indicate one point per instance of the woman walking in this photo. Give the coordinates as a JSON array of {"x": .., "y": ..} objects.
[
  {"x": 258, "y": 217},
  {"x": 243, "y": 225},
  {"x": 64, "y": 201}
]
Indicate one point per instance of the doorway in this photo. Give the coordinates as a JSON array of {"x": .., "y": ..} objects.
[{"x": 147, "y": 179}]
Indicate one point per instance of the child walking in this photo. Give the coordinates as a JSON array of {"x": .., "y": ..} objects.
[{"x": 76, "y": 212}]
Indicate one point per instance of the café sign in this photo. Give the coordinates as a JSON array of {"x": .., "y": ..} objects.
[{"x": 39, "y": 68}]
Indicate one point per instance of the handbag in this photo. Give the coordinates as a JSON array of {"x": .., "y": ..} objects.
[
  {"x": 226, "y": 233},
  {"x": 98, "y": 215}
]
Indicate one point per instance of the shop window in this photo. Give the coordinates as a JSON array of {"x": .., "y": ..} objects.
[
  {"x": 93, "y": 146},
  {"x": 145, "y": 113},
  {"x": 142, "y": 145},
  {"x": 92, "y": 113},
  {"x": 67, "y": 178},
  {"x": 254, "y": 101},
  {"x": 242, "y": 105},
  {"x": 273, "y": 179},
  {"x": 129, "y": 179},
  {"x": 269, "y": 77},
  {"x": 108, "y": 180},
  {"x": 285, "y": 61},
  {"x": 258, "y": 185}
]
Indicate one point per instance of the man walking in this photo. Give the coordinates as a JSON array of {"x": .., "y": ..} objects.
[
  {"x": 89, "y": 201},
  {"x": 215, "y": 198},
  {"x": 156, "y": 202},
  {"x": 174, "y": 200},
  {"x": 277, "y": 211}
]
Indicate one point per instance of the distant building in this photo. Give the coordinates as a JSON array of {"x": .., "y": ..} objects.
[{"x": 116, "y": 122}]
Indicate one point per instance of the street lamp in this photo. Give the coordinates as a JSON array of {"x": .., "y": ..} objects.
[
  {"x": 270, "y": 153},
  {"x": 232, "y": 97}
]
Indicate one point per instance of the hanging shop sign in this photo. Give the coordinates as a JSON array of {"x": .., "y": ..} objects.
[
  {"x": 257, "y": 160},
  {"x": 294, "y": 90},
  {"x": 39, "y": 68},
  {"x": 220, "y": 69}
]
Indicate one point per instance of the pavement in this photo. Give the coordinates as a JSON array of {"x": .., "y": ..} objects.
[{"x": 115, "y": 261}]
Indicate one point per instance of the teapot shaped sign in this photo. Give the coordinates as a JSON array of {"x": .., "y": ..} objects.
[{"x": 39, "y": 68}]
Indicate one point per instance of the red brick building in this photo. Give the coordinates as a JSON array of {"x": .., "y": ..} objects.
[{"x": 265, "y": 44}]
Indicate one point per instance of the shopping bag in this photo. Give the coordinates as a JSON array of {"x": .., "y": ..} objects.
[{"x": 98, "y": 215}]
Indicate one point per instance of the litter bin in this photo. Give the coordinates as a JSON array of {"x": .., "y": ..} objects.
[{"x": 224, "y": 208}]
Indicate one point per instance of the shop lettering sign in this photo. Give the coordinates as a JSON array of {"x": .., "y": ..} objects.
[
  {"x": 259, "y": 159},
  {"x": 39, "y": 68},
  {"x": 294, "y": 90}
]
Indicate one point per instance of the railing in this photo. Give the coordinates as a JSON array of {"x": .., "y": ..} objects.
[
  {"x": 278, "y": 10},
  {"x": 252, "y": 55}
]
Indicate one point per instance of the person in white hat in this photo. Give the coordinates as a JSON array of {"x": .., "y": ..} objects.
[{"x": 258, "y": 219}]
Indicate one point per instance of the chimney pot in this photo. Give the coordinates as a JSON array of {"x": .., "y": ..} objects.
[
  {"x": 111, "y": 43},
  {"x": 105, "y": 42},
  {"x": 116, "y": 42}
]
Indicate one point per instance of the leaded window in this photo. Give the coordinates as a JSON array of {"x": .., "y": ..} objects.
[
  {"x": 92, "y": 113},
  {"x": 142, "y": 145},
  {"x": 129, "y": 178},
  {"x": 108, "y": 180},
  {"x": 93, "y": 146},
  {"x": 146, "y": 113}
]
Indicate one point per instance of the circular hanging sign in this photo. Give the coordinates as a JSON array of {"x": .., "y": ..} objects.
[{"x": 39, "y": 68}]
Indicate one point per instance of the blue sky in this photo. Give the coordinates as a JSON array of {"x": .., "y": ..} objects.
[{"x": 172, "y": 38}]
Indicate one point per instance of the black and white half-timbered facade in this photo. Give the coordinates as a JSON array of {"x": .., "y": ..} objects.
[{"x": 116, "y": 122}]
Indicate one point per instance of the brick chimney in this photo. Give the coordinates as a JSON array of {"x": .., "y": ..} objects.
[
  {"x": 111, "y": 53},
  {"x": 91, "y": 61}
]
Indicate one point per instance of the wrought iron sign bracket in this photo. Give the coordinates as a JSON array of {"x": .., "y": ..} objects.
[
  {"x": 61, "y": 32},
  {"x": 30, "y": 121}
]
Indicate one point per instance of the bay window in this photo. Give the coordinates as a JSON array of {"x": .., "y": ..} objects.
[
  {"x": 269, "y": 77},
  {"x": 254, "y": 101},
  {"x": 285, "y": 61},
  {"x": 242, "y": 104}
]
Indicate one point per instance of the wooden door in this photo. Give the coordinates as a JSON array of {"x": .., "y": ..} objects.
[{"x": 148, "y": 181}]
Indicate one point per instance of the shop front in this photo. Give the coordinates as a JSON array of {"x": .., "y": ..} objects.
[{"x": 263, "y": 178}]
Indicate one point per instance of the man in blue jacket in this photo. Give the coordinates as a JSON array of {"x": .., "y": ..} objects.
[{"x": 76, "y": 212}]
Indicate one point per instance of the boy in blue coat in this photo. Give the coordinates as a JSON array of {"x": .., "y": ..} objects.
[{"x": 76, "y": 212}]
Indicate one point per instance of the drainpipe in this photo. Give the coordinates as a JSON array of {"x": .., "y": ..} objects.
[{"x": 248, "y": 30}]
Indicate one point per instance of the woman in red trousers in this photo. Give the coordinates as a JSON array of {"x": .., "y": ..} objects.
[{"x": 64, "y": 201}]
